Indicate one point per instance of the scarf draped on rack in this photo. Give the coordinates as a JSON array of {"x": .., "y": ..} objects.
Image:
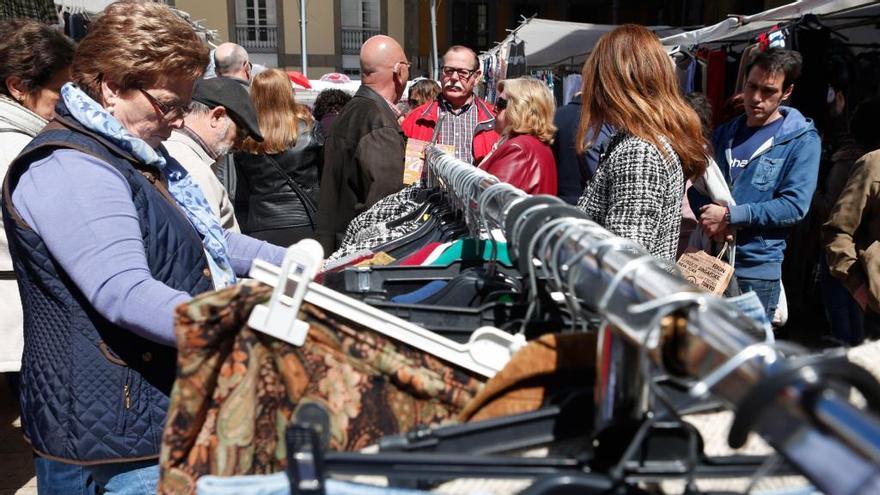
[{"x": 183, "y": 189}]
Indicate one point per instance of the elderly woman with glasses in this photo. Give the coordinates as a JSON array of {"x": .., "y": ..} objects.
[
  {"x": 522, "y": 157},
  {"x": 108, "y": 235}
]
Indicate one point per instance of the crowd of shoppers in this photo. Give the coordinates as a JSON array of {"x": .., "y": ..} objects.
[{"x": 134, "y": 147}]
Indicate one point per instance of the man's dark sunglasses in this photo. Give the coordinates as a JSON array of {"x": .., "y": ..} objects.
[{"x": 169, "y": 112}]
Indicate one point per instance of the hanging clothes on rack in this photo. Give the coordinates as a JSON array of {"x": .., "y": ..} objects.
[
  {"x": 516, "y": 59},
  {"x": 40, "y": 10},
  {"x": 716, "y": 86},
  {"x": 571, "y": 85},
  {"x": 237, "y": 389}
]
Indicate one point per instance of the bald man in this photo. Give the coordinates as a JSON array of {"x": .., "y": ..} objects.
[
  {"x": 363, "y": 155},
  {"x": 232, "y": 61}
]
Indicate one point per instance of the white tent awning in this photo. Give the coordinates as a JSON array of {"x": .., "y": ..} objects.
[
  {"x": 550, "y": 43},
  {"x": 745, "y": 26}
]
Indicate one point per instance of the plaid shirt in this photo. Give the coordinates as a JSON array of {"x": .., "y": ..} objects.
[{"x": 458, "y": 127}]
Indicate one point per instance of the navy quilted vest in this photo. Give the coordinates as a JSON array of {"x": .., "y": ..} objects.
[{"x": 92, "y": 391}]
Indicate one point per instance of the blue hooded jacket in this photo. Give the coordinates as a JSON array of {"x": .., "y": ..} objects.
[{"x": 772, "y": 193}]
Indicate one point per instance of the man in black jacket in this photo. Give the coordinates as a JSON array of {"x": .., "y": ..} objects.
[{"x": 363, "y": 155}]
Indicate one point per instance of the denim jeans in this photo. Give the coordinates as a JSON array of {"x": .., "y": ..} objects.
[
  {"x": 751, "y": 306},
  {"x": 766, "y": 290},
  {"x": 127, "y": 478},
  {"x": 54, "y": 477},
  {"x": 279, "y": 484}
]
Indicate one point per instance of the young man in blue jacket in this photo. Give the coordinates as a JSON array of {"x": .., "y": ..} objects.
[{"x": 770, "y": 157}]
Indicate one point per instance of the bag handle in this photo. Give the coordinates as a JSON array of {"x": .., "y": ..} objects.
[{"x": 723, "y": 250}]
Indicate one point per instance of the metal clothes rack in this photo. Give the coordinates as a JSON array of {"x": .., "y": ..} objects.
[{"x": 794, "y": 401}]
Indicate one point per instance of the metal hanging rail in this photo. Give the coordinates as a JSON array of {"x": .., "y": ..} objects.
[{"x": 793, "y": 401}]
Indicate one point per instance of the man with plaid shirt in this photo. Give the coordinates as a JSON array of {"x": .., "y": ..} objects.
[{"x": 466, "y": 122}]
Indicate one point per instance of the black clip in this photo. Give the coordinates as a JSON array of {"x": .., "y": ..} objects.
[{"x": 305, "y": 460}]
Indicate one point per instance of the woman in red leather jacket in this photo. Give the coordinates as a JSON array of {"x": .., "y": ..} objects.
[{"x": 523, "y": 157}]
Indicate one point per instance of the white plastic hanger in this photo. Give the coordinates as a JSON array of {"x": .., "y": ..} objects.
[
  {"x": 280, "y": 317},
  {"x": 485, "y": 353}
]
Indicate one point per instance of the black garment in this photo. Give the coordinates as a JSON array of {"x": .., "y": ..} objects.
[
  {"x": 363, "y": 163},
  {"x": 811, "y": 89},
  {"x": 516, "y": 60},
  {"x": 272, "y": 203},
  {"x": 573, "y": 171},
  {"x": 284, "y": 237}
]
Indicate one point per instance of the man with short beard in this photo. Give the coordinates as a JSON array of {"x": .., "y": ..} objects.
[
  {"x": 466, "y": 122},
  {"x": 220, "y": 115}
]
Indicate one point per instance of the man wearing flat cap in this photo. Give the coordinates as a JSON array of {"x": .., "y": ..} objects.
[{"x": 220, "y": 116}]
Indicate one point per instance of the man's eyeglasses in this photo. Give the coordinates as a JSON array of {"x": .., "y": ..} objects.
[
  {"x": 168, "y": 112},
  {"x": 462, "y": 73}
]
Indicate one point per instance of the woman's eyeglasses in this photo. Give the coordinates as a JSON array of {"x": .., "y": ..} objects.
[
  {"x": 500, "y": 104},
  {"x": 168, "y": 112}
]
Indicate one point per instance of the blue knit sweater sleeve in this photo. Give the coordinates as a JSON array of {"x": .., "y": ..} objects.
[{"x": 82, "y": 209}]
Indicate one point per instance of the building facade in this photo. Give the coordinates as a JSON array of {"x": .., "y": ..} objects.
[{"x": 270, "y": 29}]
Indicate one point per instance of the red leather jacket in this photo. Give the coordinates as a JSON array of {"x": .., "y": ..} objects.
[
  {"x": 524, "y": 162},
  {"x": 420, "y": 124}
]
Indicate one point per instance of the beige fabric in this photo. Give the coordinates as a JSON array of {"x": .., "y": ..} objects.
[
  {"x": 199, "y": 164},
  {"x": 18, "y": 125}
]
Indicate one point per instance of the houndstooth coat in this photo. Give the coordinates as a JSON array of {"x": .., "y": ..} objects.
[{"x": 637, "y": 193}]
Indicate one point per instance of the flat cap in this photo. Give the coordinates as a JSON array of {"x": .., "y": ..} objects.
[{"x": 229, "y": 94}]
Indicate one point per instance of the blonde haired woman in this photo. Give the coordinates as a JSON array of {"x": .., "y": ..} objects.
[
  {"x": 279, "y": 177},
  {"x": 523, "y": 157}
]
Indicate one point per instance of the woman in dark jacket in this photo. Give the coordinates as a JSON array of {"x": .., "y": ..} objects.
[
  {"x": 523, "y": 156},
  {"x": 280, "y": 175}
]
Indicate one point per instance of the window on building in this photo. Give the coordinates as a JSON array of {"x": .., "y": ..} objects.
[
  {"x": 256, "y": 24},
  {"x": 361, "y": 19},
  {"x": 471, "y": 26}
]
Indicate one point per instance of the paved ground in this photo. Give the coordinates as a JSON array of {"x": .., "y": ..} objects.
[{"x": 16, "y": 462}]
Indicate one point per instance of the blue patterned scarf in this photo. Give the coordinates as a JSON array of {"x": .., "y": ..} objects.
[{"x": 185, "y": 192}]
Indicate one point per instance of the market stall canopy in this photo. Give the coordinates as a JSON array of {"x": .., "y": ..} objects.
[
  {"x": 550, "y": 43},
  {"x": 744, "y": 27}
]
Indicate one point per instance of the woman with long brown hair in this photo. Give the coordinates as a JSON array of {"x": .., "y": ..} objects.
[
  {"x": 629, "y": 83},
  {"x": 279, "y": 177}
]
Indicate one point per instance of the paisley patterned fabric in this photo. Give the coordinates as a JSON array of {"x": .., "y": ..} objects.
[
  {"x": 186, "y": 193},
  {"x": 237, "y": 389}
]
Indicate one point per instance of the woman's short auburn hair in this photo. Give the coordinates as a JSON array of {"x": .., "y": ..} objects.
[
  {"x": 137, "y": 44},
  {"x": 530, "y": 108}
]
